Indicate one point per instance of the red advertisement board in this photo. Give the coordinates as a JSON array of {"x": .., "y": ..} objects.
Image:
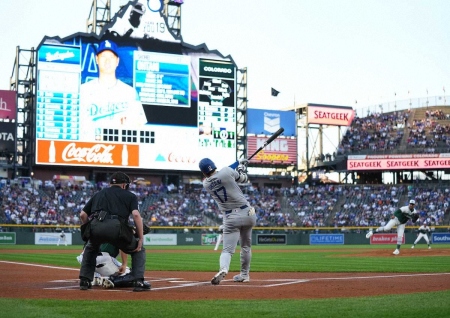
[
  {"x": 385, "y": 238},
  {"x": 8, "y": 105},
  {"x": 282, "y": 150},
  {"x": 399, "y": 162}
]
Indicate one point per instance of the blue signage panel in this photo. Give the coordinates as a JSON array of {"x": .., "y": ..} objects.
[
  {"x": 263, "y": 121},
  {"x": 326, "y": 239},
  {"x": 440, "y": 238}
]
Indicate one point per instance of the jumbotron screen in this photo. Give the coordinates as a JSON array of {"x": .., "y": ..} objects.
[{"x": 139, "y": 103}]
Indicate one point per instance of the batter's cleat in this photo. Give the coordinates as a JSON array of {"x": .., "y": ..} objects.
[
  {"x": 141, "y": 285},
  {"x": 396, "y": 252},
  {"x": 98, "y": 281},
  {"x": 368, "y": 235},
  {"x": 85, "y": 284},
  {"x": 107, "y": 283},
  {"x": 219, "y": 276},
  {"x": 412, "y": 246},
  {"x": 241, "y": 278}
]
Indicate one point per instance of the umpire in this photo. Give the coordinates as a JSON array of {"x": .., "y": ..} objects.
[{"x": 107, "y": 213}]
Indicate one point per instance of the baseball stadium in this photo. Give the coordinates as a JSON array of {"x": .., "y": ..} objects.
[{"x": 352, "y": 205}]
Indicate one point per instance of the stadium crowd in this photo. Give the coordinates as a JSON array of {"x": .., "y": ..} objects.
[
  {"x": 302, "y": 206},
  {"x": 56, "y": 203}
]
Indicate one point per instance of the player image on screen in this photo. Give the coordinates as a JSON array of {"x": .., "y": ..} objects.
[{"x": 107, "y": 102}]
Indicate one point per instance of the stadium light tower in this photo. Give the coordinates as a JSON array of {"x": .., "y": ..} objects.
[{"x": 99, "y": 16}]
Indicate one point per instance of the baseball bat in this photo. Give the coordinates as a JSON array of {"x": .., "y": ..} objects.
[
  {"x": 219, "y": 239},
  {"x": 268, "y": 141}
]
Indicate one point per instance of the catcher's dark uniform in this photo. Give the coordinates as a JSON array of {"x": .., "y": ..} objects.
[{"x": 108, "y": 227}]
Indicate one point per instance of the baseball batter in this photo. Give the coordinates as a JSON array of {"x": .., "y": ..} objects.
[
  {"x": 107, "y": 102},
  {"x": 424, "y": 230},
  {"x": 238, "y": 216},
  {"x": 399, "y": 219}
]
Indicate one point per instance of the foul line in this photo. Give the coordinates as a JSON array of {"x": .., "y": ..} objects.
[{"x": 282, "y": 282}]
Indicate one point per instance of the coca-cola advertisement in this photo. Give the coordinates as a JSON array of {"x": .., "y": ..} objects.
[{"x": 87, "y": 154}]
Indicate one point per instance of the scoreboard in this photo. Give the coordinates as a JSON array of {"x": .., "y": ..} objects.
[{"x": 171, "y": 103}]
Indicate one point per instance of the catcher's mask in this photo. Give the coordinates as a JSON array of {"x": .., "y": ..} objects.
[{"x": 120, "y": 178}]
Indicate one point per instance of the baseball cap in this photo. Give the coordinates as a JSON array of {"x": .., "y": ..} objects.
[
  {"x": 412, "y": 202},
  {"x": 108, "y": 45}
]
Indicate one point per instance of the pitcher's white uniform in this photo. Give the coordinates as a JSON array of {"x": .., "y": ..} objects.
[{"x": 399, "y": 219}]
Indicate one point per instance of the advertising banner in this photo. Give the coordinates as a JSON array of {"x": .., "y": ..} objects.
[
  {"x": 330, "y": 115},
  {"x": 7, "y": 238},
  {"x": 160, "y": 239},
  {"x": 7, "y": 136},
  {"x": 209, "y": 239},
  {"x": 440, "y": 238},
  {"x": 51, "y": 238},
  {"x": 8, "y": 107},
  {"x": 385, "y": 238},
  {"x": 280, "y": 151},
  {"x": 326, "y": 239},
  {"x": 399, "y": 162},
  {"x": 85, "y": 153},
  {"x": 277, "y": 239},
  {"x": 266, "y": 122}
]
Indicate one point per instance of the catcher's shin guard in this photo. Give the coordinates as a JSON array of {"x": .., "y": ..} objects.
[{"x": 126, "y": 280}]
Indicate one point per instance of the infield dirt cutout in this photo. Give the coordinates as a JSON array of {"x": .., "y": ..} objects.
[{"x": 24, "y": 280}]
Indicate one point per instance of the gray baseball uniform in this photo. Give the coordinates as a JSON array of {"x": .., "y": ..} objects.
[{"x": 238, "y": 216}]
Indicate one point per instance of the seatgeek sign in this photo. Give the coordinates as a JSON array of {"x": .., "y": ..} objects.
[
  {"x": 399, "y": 162},
  {"x": 330, "y": 115}
]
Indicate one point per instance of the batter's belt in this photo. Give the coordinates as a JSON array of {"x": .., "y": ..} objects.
[{"x": 241, "y": 207}]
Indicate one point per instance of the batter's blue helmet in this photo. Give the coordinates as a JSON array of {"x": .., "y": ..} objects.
[{"x": 206, "y": 165}]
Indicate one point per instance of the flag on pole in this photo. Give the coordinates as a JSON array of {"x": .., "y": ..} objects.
[{"x": 275, "y": 92}]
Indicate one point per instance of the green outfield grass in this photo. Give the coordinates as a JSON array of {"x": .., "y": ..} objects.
[
  {"x": 265, "y": 258},
  {"x": 286, "y": 258}
]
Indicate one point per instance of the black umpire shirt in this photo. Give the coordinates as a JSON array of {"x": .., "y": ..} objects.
[{"x": 114, "y": 200}]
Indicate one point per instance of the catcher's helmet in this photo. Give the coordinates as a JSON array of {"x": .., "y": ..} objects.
[{"x": 206, "y": 165}]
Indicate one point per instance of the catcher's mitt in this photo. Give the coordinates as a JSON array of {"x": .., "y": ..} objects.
[{"x": 146, "y": 230}]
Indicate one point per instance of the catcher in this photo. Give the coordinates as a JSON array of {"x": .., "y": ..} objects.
[
  {"x": 399, "y": 219},
  {"x": 107, "y": 263}
]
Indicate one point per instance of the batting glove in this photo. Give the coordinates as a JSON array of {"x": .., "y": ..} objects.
[
  {"x": 241, "y": 168},
  {"x": 221, "y": 228},
  {"x": 243, "y": 162}
]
